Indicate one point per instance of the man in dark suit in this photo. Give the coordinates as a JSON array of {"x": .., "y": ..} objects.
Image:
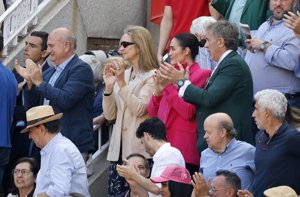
[
  {"x": 68, "y": 88},
  {"x": 36, "y": 50},
  {"x": 229, "y": 88}
]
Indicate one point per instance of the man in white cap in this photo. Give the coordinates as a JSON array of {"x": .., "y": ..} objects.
[{"x": 62, "y": 169}]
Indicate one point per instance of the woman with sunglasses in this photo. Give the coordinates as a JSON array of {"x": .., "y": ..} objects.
[
  {"x": 23, "y": 177},
  {"x": 178, "y": 115},
  {"x": 126, "y": 96}
]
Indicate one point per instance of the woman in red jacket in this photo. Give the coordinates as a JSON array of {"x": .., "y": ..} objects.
[{"x": 178, "y": 115}]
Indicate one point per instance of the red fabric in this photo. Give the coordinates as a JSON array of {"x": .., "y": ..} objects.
[
  {"x": 180, "y": 116},
  {"x": 157, "y": 11},
  {"x": 184, "y": 12}
]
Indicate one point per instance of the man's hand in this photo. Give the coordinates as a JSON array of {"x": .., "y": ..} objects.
[
  {"x": 126, "y": 171},
  {"x": 23, "y": 72},
  {"x": 244, "y": 193},
  {"x": 292, "y": 21},
  {"x": 201, "y": 188},
  {"x": 254, "y": 44},
  {"x": 35, "y": 72}
]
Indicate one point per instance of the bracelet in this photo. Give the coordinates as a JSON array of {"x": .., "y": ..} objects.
[{"x": 107, "y": 94}]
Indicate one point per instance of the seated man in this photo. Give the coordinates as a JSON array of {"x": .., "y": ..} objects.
[
  {"x": 152, "y": 133},
  {"x": 225, "y": 184},
  {"x": 62, "y": 169},
  {"x": 139, "y": 162},
  {"x": 224, "y": 151}
]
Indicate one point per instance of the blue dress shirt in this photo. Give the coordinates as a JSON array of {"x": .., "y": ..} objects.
[
  {"x": 56, "y": 74},
  {"x": 62, "y": 170},
  {"x": 274, "y": 68},
  {"x": 238, "y": 157}
]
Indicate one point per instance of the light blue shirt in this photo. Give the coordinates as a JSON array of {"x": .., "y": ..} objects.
[
  {"x": 236, "y": 13},
  {"x": 238, "y": 157},
  {"x": 58, "y": 70},
  {"x": 274, "y": 69},
  {"x": 62, "y": 170}
]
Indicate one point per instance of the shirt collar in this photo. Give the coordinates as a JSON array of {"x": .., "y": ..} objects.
[
  {"x": 228, "y": 146},
  {"x": 224, "y": 55},
  {"x": 64, "y": 64},
  {"x": 271, "y": 22},
  {"x": 161, "y": 149},
  {"x": 50, "y": 144}
]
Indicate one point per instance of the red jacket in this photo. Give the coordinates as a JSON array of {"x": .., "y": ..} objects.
[{"x": 180, "y": 116}]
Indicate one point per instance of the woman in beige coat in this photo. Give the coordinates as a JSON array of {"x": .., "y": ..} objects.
[{"x": 126, "y": 96}]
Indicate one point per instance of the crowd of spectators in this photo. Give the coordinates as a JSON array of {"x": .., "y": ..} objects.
[{"x": 213, "y": 119}]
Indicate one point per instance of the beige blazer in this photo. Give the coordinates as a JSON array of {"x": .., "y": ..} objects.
[{"x": 129, "y": 107}]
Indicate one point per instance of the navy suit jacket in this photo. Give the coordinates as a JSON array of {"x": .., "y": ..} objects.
[{"x": 73, "y": 95}]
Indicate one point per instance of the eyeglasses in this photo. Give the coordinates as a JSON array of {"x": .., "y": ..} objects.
[
  {"x": 23, "y": 171},
  {"x": 125, "y": 44},
  {"x": 213, "y": 189}
]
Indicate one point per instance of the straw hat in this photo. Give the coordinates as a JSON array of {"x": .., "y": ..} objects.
[
  {"x": 39, "y": 115},
  {"x": 281, "y": 191}
]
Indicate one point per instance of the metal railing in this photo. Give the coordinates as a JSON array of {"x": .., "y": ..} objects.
[
  {"x": 101, "y": 147},
  {"x": 17, "y": 19}
]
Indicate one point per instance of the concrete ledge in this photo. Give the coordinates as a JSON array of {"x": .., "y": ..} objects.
[{"x": 98, "y": 179}]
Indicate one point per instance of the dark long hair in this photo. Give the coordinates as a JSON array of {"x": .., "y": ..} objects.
[{"x": 180, "y": 189}]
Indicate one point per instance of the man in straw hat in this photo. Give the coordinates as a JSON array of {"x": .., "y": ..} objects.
[{"x": 62, "y": 167}]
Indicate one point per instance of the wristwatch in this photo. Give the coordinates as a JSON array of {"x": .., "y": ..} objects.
[
  {"x": 263, "y": 45},
  {"x": 180, "y": 82}
]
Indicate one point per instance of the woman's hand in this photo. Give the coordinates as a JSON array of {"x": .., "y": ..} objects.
[
  {"x": 172, "y": 74},
  {"x": 160, "y": 83},
  {"x": 118, "y": 69},
  {"x": 109, "y": 78}
]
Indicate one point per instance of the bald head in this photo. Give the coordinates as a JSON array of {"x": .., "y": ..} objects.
[
  {"x": 61, "y": 45},
  {"x": 222, "y": 121}
]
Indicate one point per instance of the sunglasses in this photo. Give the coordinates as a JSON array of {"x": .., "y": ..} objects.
[
  {"x": 125, "y": 44},
  {"x": 202, "y": 42}
]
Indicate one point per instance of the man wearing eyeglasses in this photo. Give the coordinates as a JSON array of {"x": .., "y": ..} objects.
[
  {"x": 225, "y": 184},
  {"x": 68, "y": 87},
  {"x": 277, "y": 156}
]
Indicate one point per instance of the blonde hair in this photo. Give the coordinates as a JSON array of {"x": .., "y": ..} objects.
[{"x": 141, "y": 37}]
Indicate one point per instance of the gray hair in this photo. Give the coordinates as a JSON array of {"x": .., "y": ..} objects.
[
  {"x": 231, "y": 131},
  {"x": 96, "y": 61},
  {"x": 72, "y": 39},
  {"x": 273, "y": 100},
  {"x": 200, "y": 24},
  {"x": 226, "y": 30}
]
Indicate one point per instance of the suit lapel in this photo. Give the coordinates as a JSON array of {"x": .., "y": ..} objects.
[
  {"x": 133, "y": 84},
  {"x": 219, "y": 67},
  {"x": 66, "y": 70},
  {"x": 248, "y": 2}
]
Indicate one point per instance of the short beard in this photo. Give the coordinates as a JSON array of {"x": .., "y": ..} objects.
[{"x": 279, "y": 18}]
